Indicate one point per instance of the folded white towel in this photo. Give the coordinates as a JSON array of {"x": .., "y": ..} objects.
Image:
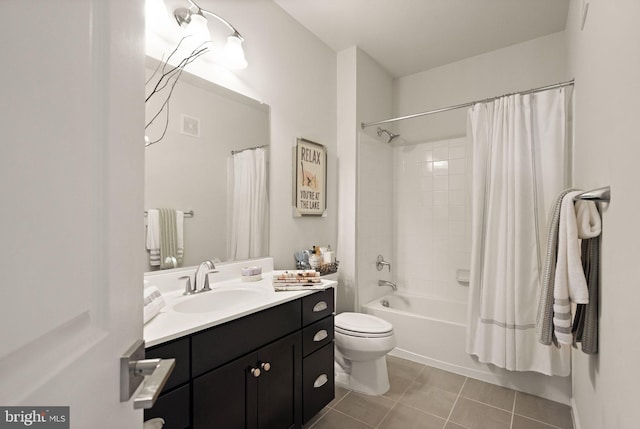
[
  {"x": 587, "y": 219},
  {"x": 153, "y": 237},
  {"x": 570, "y": 284},
  {"x": 153, "y": 302}
]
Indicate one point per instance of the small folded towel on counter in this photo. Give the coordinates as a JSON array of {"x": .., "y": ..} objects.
[
  {"x": 165, "y": 236},
  {"x": 153, "y": 302}
]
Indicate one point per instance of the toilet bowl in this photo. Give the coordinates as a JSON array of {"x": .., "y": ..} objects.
[{"x": 362, "y": 342}]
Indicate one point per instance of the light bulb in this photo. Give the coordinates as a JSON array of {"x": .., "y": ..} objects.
[
  {"x": 233, "y": 54},
  {"x": 198, "y": 29}
]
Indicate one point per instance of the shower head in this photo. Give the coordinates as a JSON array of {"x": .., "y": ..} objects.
[{"x": 392, "y": 136}]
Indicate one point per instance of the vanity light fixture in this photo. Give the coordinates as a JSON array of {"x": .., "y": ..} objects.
[{"x": 232, "y": 56}]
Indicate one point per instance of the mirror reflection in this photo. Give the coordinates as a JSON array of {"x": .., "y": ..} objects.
[{"x": 212, "y": 161}]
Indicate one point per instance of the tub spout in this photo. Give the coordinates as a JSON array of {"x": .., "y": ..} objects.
[{"x": 387, "y": 283}]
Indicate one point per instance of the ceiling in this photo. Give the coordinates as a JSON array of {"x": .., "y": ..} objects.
[{"x": 409, "y": 36}]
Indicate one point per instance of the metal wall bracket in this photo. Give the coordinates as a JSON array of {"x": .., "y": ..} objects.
[{"x": 135, "y": 370}]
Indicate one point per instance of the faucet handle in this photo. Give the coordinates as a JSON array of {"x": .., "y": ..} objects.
[
  {"x": 381, "y": 263},
  {"x": 188, "y": 290},
  {"x": 206, "y": 281}
]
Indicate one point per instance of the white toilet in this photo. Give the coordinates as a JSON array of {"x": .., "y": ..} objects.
[{"x": 362, "y": 342}]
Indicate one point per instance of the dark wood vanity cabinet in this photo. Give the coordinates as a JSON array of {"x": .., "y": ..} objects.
[
  {"x": 174, "y": 404},
  {"x": 269, "y": 370},
  {"x": 259, "y": 390}
]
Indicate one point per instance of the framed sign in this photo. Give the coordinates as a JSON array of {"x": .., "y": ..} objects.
[{"x": 310, "y": 185}]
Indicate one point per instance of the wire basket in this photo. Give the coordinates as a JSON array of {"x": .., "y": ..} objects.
[{"x": 330, "y": 268}]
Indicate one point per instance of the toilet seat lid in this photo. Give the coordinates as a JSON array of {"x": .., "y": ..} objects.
[{"x": 354, "y": 323}]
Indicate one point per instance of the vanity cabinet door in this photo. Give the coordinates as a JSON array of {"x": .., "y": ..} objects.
[
  {"x": 280, "y": 384},
  {"x": 318, "y": 381},
  {"x": 225, "y": 397},
  {"x": 236, "y": 396}
]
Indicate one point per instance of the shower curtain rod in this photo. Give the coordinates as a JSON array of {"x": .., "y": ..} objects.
[{"x": 460, "y": 106}]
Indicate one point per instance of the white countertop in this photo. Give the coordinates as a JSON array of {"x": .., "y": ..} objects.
[{"x": 170, "y": 324}]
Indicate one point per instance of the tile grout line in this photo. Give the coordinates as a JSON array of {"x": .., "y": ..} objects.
[
  {"x": 538, "y": 421},
  {"x": 455, "y": 402},
  {"x": 397, "y": 401},
  {"x": 331, "y": 408},
  {"x": 513, "y": 409},
  {"x": 351, "y": 417}
]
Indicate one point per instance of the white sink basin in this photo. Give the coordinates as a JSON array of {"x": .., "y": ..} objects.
[{"x": 220, "y": 299}]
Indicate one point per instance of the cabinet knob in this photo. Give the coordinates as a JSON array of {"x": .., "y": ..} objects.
[
  {"x": 255, "y": 372},
  {"x": 266, "y": 366}
]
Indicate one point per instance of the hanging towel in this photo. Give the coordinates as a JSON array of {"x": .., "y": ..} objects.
[
  {"x": 168, "y": 237},
  {"x": 544, "y": 319},
  {"x": 570, "y": 284},
  {"x": 158, "y": 231},
  {"x": 585, "y": 324},
  {"x": 180, "y": 235},
  {"x": 153, "y": 237},
  {"x": 587, "y": 219}
]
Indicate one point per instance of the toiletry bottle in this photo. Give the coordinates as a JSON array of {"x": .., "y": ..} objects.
[
  {"x": 329, "y": 257},
  {"x": 314, "y": 258}
]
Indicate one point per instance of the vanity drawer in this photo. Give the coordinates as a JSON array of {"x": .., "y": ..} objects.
[
  {"x": 317, "y": 306},
  {"x": 318, "y": 381},
  {"x": 221, "y": 344},
  {"x": 317, "y": 335},
  {"x": 173, "y": 407},
  {"x": 179, "y": 350}
]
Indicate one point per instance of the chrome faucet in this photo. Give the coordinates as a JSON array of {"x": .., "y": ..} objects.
[
  {"x": 387, "y": 283},
  {"x": 202, "y": 276}
]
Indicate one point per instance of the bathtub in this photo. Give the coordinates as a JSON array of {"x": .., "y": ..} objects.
[{"x": 433, "y": 332}]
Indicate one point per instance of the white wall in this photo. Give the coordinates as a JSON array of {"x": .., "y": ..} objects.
[
  {"x": 531, "y": 64},
  {"x": 364, "y": 91},
  {"x": 295, "y": 73},
  {"x": 605, "y": 62},
  {"x": 375, "y": 217}
]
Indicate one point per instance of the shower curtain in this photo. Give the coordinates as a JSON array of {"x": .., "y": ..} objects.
[
  {"x": 249, "y": 208},
  {"x": 520, "y": 165}
]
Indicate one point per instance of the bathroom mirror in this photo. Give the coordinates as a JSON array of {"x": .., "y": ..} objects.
[{"x": 188, "y": 169}]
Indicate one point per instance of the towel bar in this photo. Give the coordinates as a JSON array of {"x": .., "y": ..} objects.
[
  {"x": 600, "y": 195},
  {"x": 186, "y": 214}
]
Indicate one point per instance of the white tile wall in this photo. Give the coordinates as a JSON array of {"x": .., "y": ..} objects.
[{"x": 431, "y": 217}]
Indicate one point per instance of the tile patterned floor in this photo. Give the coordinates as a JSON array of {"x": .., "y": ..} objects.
[{"x": 422, "y": 397}]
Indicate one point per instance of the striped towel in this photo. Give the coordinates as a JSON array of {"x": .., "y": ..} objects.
[
  {"x": 544, "y": 319},
  {"x": 168, "y": 230}
]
